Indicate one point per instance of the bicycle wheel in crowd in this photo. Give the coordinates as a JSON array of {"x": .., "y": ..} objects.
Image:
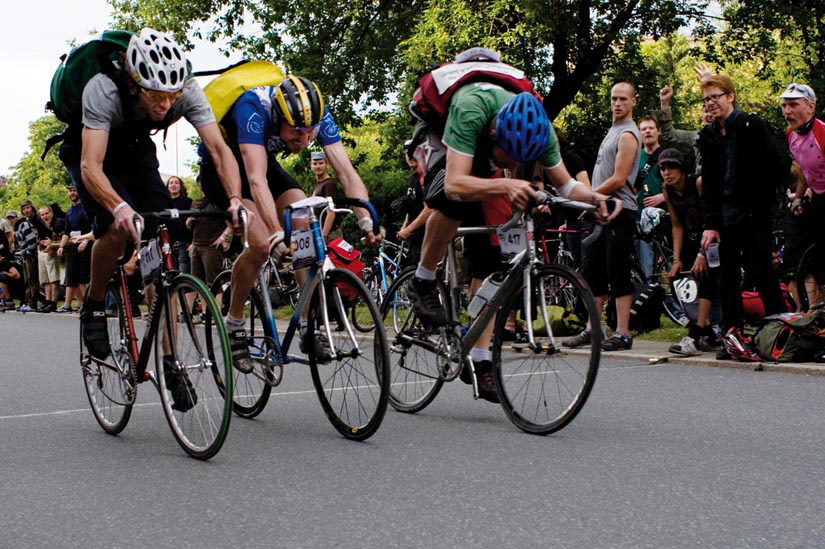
[
  {"x": 414, "y": 376},
  {"x": 110, "y": 384},
  {"x": 670, "y": 304},
  {"x": 809, "y": 279},
  {"x": 542, "y": 390},
  {"x": 194, "y": 369},
  {"x": 353, "y": 387},
  {"x": 251, "y": 390}
]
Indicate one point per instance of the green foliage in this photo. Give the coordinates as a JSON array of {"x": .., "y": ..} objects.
[{"x": 43, "y": 182}]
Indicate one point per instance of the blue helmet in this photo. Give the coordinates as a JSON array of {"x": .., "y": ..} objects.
[{"x": 522, "y": 128}]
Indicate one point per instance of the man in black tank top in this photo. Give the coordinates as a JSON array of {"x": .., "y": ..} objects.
[{"x": 682, "y": 196}]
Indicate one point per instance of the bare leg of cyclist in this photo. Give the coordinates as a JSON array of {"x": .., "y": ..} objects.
[
  {"x": 439, "y": 233},
  {"x": 246, "y": 267},
  {"x": 105, "y": 254}
]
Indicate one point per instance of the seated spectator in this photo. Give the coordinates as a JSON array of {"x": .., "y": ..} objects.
[{"x": 12, "y": 285}]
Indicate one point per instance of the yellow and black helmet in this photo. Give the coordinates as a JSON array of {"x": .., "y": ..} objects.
[{"x": 298, "y": 102}]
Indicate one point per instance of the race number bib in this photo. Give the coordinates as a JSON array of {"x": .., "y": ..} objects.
[
  {"x": 149, "y": 260},
  {"x": 512, "y": 241},
  {"x": 304, "y": 254}
]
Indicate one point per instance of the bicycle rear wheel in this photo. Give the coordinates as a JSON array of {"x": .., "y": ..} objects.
[
  {"x": 415, "y": 379},
  {"x": 354, "y": 386},
  {"x": 194, "y": 371},
  {"x": 542, "y": 389},
  {"x": 110, "y": 384},
  {"x": 809, "y": 279},
  {"x": 251, "y": 391}
]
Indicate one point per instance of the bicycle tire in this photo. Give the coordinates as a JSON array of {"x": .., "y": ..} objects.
[
  {"x": 250, "y": 394},
  {"x": 353, "y": 396},
  {"x": 359, "y": 320},
  {"x": 807, "y": 268},
  {"x": 412, "y": 387},
  {"x": 204, "y": 373},
  {"x": 541, "y": 400},
  {"x": 112, "y": 388}
]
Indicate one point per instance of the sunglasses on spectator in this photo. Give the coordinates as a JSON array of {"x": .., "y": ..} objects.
[{"x": 713, "y": 97}]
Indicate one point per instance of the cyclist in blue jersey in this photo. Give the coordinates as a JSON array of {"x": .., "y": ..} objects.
[{"x": 263, "y": 123}]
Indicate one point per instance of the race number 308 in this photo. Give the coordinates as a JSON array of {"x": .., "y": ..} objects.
[{"x": 304, "y": 248}]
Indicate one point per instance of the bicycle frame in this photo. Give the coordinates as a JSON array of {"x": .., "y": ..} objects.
[{"x": 316, "y": 275}]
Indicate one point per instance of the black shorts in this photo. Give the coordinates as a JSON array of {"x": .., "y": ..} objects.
[
  {"x": 278, "y": 180},
  {"x": 77, "y": 265},
  {"x": 17, "y": 286},
  {"x": 483, "y": 256},
  {"x": 606, "y": 267},
  {"x": 131, "y": 165}
]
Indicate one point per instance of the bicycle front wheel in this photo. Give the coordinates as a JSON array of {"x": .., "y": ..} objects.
[
  {"x": 353, "y": 387},
  {"x": 194, "y": 369},
  {"x": 251, "y": 391},
  {"x": 543, "y": 388},
  {"x": 110, "y": 384},
  {"x": 415, "y": 379}
]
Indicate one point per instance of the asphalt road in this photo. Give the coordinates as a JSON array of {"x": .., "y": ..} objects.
[{"x": 661, "y": 456}]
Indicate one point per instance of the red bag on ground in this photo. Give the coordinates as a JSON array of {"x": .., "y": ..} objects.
[
  {"x": 754, "y": 309},
  {"x": 344, "y": 256}
]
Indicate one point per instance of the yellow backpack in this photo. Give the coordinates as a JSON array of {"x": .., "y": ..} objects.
[{"x": 223, "y": 91}]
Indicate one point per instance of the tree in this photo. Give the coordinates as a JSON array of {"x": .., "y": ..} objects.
[{"x": 43, "y": 182}]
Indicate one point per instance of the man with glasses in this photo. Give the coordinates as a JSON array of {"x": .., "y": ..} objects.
[
  {"x": 112, "y": 159},
  {"x": 742, "y": 169},
  {"x": 806, "y": 139}
]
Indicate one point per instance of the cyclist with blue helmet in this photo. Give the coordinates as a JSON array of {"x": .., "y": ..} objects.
[{"x": 488, "y": 129}]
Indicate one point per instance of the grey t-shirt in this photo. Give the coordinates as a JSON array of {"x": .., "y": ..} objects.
[
  {"x": 606, "y": 162},
  {"x": 102, "y": 109}
]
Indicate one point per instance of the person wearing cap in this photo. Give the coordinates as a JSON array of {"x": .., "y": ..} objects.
[
  {"x": 325, "y": 186},
  {"x": 682, "y": 193},
  {"x": 26, "y": 241},
  {"x": 742, "y": 169},
  {"x": 806, "y": 140}
]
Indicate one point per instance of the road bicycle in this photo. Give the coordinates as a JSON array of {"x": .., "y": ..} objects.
[
  {"x": 541, "y": 386},
  {"x": 379, "y": 276},
  {"x": 353, "y": 387},
  {"x": 192, "y": 359}
]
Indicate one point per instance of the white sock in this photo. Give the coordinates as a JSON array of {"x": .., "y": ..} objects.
[
  {"x": 303, "y": 326},
  {"x": 424, "y": 274},
  {"x": 233, "y": 323},
  {"x": 478, "y": 355}
]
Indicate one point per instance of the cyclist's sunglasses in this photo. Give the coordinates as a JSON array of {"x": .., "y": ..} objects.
[{"x": 155, "y": 96}]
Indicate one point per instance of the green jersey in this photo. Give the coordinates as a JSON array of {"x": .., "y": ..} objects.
[
  {"x": 652, "y": 183},
  {"x": 471, "y": 109}
]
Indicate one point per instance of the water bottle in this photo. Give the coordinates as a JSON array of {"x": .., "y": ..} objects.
[
  {"x": 712, "y": 255},
  {"x": 488, "y": 289}
]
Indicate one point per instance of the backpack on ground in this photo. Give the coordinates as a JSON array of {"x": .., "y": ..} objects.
[
  {"x": 645, "y": 311},
  {"x": 235, "y": 80},
  {"x": 344, "y": 256},
  {"x": 754, "y": 310},
  {"x": 791, "y": 337}
]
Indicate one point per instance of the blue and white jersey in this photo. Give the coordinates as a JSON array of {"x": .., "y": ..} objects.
[{"x": 252, "y": 118}]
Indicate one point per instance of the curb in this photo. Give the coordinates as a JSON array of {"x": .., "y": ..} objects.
[{"x": 805, "y": 368}]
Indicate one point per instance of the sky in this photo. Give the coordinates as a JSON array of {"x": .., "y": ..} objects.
[{"x": 30, "y": 48}]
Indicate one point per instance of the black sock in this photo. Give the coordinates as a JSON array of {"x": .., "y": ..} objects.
[{"x": 94, "y": 305}]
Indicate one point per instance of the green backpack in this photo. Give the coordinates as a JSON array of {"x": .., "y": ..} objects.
[
  {"x": 791, "y": 337},
  {"x": 78, "y": 67}
]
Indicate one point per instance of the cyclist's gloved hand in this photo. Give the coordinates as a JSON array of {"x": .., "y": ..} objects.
[{"x": 277, "y": 248}]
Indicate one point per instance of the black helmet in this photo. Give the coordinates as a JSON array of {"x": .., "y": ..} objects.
[{"x": 298, "y": 102}]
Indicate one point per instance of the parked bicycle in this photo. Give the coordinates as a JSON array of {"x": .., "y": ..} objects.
[
  {"x": 193, "y": 366},
  {"x": 540, "y": 386},
  {"x": 353, "y": 387}
]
